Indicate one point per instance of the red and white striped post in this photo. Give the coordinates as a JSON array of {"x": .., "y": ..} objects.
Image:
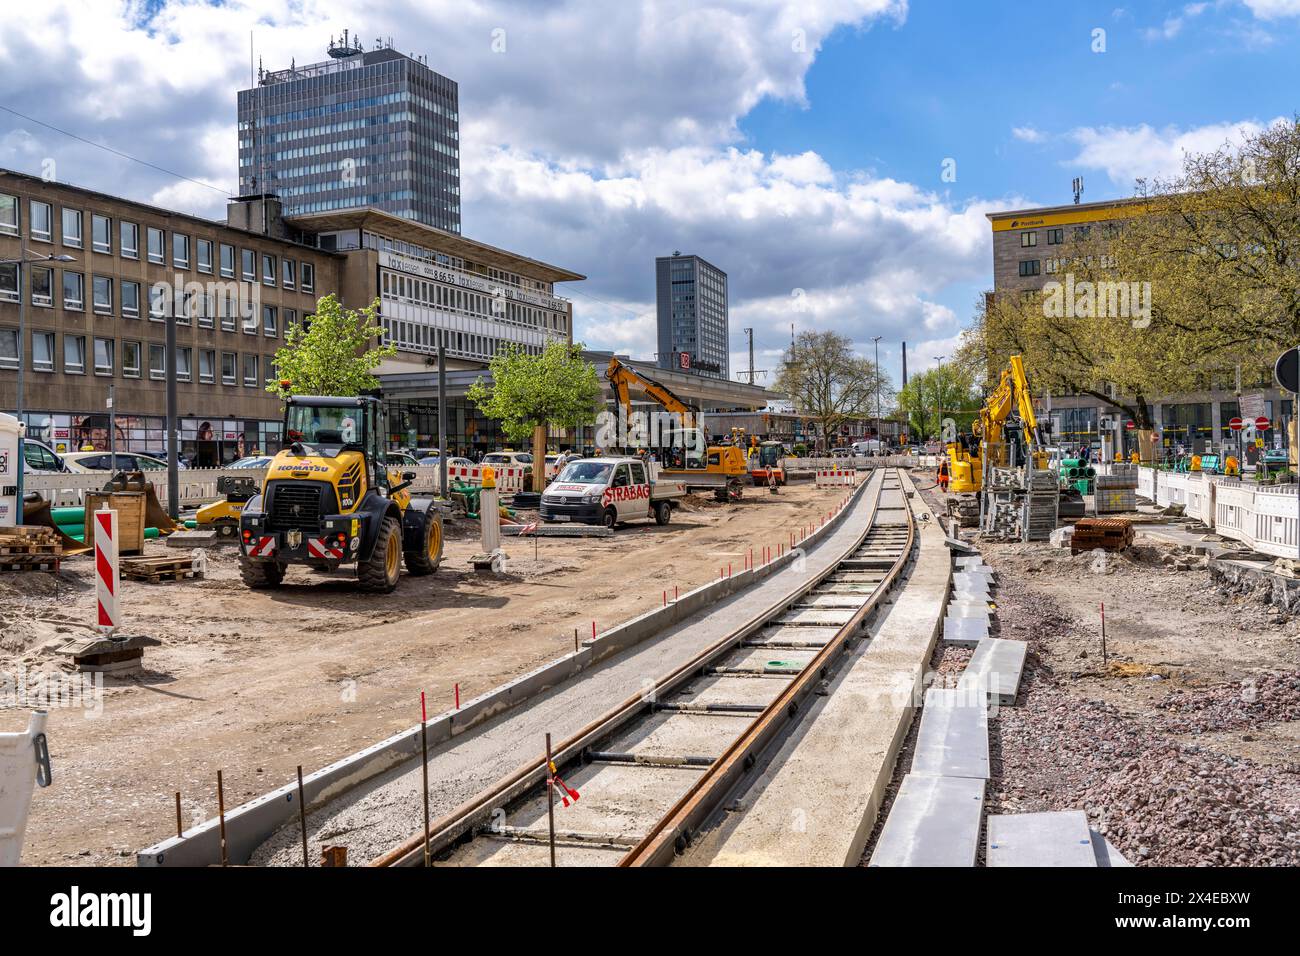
[{"x": 107, "y": 579}]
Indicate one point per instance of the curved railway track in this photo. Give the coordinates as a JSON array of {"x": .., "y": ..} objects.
[{"x": 652, "y": 772}]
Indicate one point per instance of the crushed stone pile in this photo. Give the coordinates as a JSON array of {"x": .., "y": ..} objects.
[{"x": 1269, "y": 698}]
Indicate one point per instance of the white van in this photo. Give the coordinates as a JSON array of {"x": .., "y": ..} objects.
[
  {"x": 870, "y": 446},
  {"x": 610, "y": 491}
]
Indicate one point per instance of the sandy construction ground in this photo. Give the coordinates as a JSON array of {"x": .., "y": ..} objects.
[{"x": 255, "y": 683}]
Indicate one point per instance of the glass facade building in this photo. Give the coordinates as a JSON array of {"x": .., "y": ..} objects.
[
  {"x": 365, "y": 128},
  {"x": 691, "y": 297}
]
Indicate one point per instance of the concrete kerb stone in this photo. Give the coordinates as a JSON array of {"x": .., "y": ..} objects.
[{"x": 251, "y": 823}]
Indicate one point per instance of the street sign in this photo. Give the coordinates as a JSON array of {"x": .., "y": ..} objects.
[
  {"x": 1287, "y": 371},
  {"x": 1262, "y": 424},
  {"x": 1236, "y": 424},
  {"x": 1130, "y": 424}
]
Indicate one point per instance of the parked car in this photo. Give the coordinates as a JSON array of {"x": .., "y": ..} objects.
[
  {"x": 510, "y": 459},
  {"x": 40, "y": 459},
  {"x": 841, "y": 452},
  {"x": 456, "y": 463},
  {"x": 87, "y": 461},
  {"x": 400, "y": 459},
  {"x": 250, "y": 461}
]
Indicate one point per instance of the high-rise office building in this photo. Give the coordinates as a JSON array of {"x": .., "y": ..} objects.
[
  {"x": 363, "y": 128},
  {"x": 692, "y": 308}
]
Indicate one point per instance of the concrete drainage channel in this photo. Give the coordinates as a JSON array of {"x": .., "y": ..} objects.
[
  {"x": 653, "y": 771},
  {"x": 937, "y": 816},
  {"x": 252, "y": 824}
]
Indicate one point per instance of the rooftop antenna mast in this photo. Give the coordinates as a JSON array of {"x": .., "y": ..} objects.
[{"x": 1077, "y": 185}]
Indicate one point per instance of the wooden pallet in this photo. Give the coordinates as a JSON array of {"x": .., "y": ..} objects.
[
  {"x": 158, "y": 569},
  {"x": 30, "y": 562},
  {"x": 29, "y": 548}
]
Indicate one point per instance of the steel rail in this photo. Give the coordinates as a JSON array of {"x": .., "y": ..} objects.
[
  {"x": 479, "y": 809},
  {"x": 674, "y": 831}
]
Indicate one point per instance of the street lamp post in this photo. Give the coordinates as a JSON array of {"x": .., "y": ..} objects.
[
  {"x": 938, "y": 395},
  {"x": 18, "y": 264},
  {"x": 880, "y": 445}
]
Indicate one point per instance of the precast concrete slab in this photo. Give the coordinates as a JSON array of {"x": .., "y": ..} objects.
[
  {"x": 965, "y": 631},
  {"x": 974, "y": 578},
  {"x": 995, "y": 668},
  {"x": 817, "y": 599},
  {"x": 812, "y": 636},
  {"x": 831, "y": 770},
  {"x": 864, "y": 588},
  {"x": 967, "y": 593},
  {"x": 1059, "y": 838},
  {"x": 953, "y": 740},
  {"x": 816, "y": 617},
  {"x": 968, "y": 609},
  {"x": 669, "y": 733},
  {"x": 933, "y": 821},
  {"x": 726, "y": 689}
]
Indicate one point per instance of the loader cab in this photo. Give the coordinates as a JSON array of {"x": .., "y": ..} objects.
[{"x": 327, "y": 427}]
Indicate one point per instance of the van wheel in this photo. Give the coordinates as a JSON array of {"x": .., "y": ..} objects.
[
  {"x": 426, "y": 559},
  {"x": 663, "y": 512},
  {"x": 609, "y": 518},
  {"x": 261, "y": 574},
  {"x": 378, "y": 574}
]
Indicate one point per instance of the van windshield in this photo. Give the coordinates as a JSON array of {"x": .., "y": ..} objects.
[{"x": 587, "y": 472}]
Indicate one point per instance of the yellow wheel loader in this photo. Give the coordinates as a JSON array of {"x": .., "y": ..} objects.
[{"x": 328, "y": 501}]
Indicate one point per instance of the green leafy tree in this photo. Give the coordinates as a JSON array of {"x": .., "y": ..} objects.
[
  {"x": 336, "y": 352},
  {"x": 948, "y": 391},
  {"x": 530, "y": 392}
]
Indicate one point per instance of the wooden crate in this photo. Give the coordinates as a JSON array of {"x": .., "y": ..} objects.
[
  {"x": 1108, "y": 534},
  {"x": 130, "y": 508}
]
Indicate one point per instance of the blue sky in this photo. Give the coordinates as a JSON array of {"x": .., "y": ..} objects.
[{"x": 797, "y": 144}]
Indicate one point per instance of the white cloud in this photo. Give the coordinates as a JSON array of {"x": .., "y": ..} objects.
[
  {"x": 1274, "y": 9},
  {"x": 1028, "y": 134},
  {"x": 1133, "y": 152},
  {"x": 604, "y": 135}
]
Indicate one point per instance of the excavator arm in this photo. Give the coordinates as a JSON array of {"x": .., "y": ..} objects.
[{"x": 621, "y": 376}]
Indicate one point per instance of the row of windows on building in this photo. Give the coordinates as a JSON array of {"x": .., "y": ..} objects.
[
  {"x": 348, "y": 106},
  {"x": 104, "y": 359},
  {"x": 285, "y": 271},
  {"x": 187, "y": 306},
  {"x": 1033, "y": 267},
  {"x": 420, "y": 337},
  {"x": 1056, "y": 236},
  {"x": 438, "y": 295},
  {"x": 371, "y": 240}
]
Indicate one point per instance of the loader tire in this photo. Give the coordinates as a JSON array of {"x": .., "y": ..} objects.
[
  {"x": 261, "y": 574},
  {"x": 426, "y": 559},
  {"x": 379, "y": 573}
]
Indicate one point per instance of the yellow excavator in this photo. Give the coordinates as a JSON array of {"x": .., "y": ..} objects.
[
  {"x": 1007, "y": 428},
  {"x": 1006, "y": 436},
  {"x": 688, "y": 458}
]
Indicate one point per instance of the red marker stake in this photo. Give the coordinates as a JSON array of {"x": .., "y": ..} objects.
[{"x": 458, "y": 697}]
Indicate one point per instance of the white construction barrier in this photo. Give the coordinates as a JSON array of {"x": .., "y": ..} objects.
[
  {"x": 24, "y": 762},
  {"x": 1265, "y": 518},
  {"x": 836, "y": 478}
]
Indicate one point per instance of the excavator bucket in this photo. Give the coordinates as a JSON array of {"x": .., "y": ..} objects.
[
  {"x": 40, "y": 514},
  {"x": 154, "y": 514}
]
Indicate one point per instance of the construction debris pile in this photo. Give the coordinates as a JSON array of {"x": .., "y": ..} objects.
[
  {"x": 1158, "y": 801},
  {"x": 1265, "y": 699}
]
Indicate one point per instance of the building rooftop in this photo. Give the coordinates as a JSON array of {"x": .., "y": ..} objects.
[
  {"x": 369, "y": 219},
  {"x": 1070, "y": 212}
]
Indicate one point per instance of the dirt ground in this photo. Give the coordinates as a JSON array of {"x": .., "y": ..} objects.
[
  {"x": 255, "y": 683},
  {"x": 1183, "y": 745}
]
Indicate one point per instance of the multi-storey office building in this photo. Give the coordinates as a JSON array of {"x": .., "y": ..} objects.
[
  {"x": 100, "y": 319},
  {"x": 691, "y": 299},
  {"x": 364, "y": 128},
  {"x": 440, "y": 289},
  {"x": 1032, "y": 247}
]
